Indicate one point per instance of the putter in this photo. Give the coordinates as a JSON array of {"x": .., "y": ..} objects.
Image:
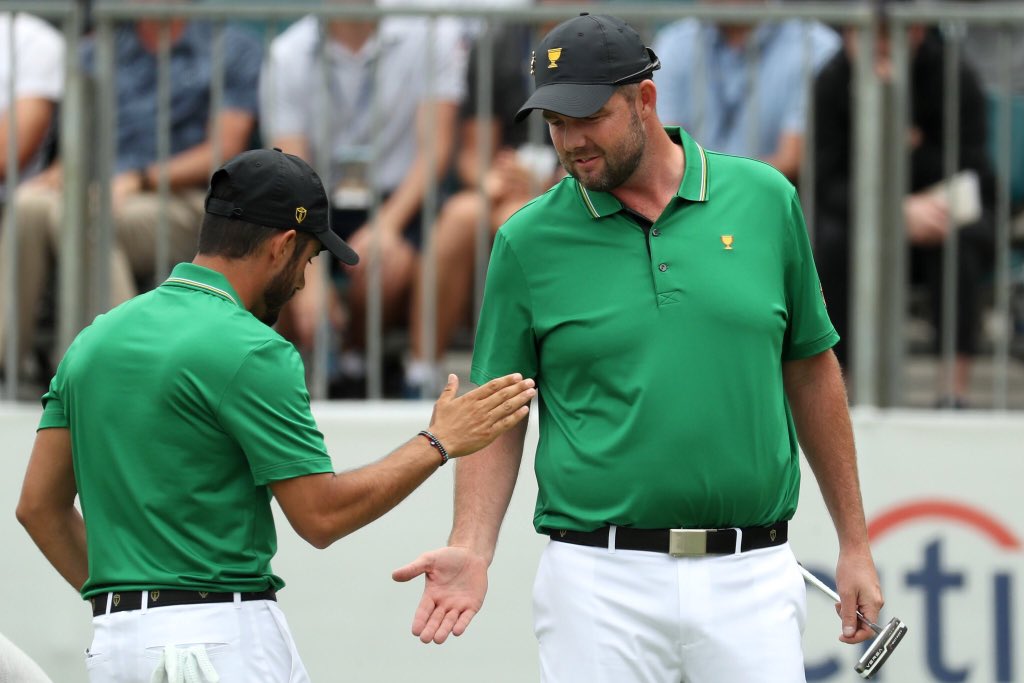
[{"x": 885, "y": 642}]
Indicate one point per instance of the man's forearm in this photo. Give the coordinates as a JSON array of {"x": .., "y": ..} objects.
[
  {"x": 192, "y": 167},
  {"x": 483, "y": 489},
  {"x": 61, "y": 538},
  {"x": 33, "y": 116},
  {"x": 323, "y": 508},
  {"x": 818, "y": 400}
]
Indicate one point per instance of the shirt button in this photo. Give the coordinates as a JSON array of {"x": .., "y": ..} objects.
[
  {"x": 655, "y": 232},
  {"x": 663, "y": 267}
]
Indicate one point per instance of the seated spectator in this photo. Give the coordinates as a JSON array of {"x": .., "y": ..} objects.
[
  {"x": 520, "y": 170},
  {"x": 926, "y": 217},
  {"x": 711, "y": 71},
  {"x": 384, "y": 111},
  {"x": 38, "y": 74},
  {"x": 135, "y": 200},
  {"x": 471, "y": 26},
  {"x": 983, "y": 49}
]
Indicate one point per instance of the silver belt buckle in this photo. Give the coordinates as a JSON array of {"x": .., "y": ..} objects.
[{"x": 687, "y": 542}]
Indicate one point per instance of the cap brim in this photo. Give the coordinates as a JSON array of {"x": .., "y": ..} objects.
[
  {"x": 337, "y": 246},
  {"x": 569, "y": 99}
]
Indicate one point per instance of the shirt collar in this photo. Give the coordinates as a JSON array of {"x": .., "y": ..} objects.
[
  {"x": 693, "y": 187},
  {"x": 191, "y": 276},
  {"x": 379, "y": 42},
  {"x": 760, "y": 38}
]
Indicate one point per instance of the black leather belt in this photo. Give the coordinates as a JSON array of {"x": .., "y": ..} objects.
[
  {"x": 130, "y": 600},
  {"x": 680, "y": 542}
]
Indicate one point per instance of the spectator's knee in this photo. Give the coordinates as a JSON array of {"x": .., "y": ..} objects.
[
  {"x": 132, "y": 212},
  {"x": 36, "y": 210}
]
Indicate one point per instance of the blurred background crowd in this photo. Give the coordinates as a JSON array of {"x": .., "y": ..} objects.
[{"x": 409, "y": 120}]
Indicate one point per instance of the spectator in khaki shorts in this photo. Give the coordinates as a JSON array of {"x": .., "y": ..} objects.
[{"x": 136, "y": 201}]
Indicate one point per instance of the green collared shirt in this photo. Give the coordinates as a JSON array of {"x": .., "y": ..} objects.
[
  {"x": 182, "y": 407},
  {"x": 658, "y": 356}
]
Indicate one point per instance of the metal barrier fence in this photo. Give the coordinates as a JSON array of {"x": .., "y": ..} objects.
[
  {"x": 878, "y": 289},
  {"x": 70, "y": 17}
]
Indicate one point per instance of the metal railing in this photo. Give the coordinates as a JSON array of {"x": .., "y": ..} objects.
[
  {"x": 878, "y": 345},
  {"x": 70, "y": 16},
  {"x": 953, "y": 19}
]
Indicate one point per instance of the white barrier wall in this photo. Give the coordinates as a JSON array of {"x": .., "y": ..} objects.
[{"x": 942, "y": 493}]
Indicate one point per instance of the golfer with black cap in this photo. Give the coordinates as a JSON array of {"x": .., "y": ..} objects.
[
  {"x": 176, "y": 416},
  {"x": 665, "y": 299}
]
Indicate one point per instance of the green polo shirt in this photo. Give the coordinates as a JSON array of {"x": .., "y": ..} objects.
[
  {"x": 658, "y": 358},
  {"x": 182, "y": 407}
]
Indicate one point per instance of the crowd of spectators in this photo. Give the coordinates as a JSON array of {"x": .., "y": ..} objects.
[
  {"x": 136, "y": 206},
  {"x": 388, "y": 113}
]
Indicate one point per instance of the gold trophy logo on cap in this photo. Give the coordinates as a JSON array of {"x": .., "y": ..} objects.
[
  {"x": 554, "y": 54},
  {"x": 300, "y": 214}
]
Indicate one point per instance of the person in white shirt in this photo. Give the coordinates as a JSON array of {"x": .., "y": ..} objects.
[
  {"x": 38, "y": 74},
  {"x": 386, "y": 102}
]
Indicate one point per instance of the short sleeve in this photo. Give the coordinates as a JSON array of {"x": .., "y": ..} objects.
[
  {"x": 265, "y": 408},
  {"x": 244, "y": 55},
  {"x": 53, "y": 409},
  {"x": 822, "y": 42},
  {"x": 809, "y": 331},
  {"x": 795, "y": 115},
  {"x": 505, "y": 340},
  {"x": 451, "y": 55},
  {"x": 284, "y": 86},
  {"x": 40, "y": 59},
  {"x": 675, "y": 46}
]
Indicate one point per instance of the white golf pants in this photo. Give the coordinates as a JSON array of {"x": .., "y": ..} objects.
[
  {"x": 626, "y": 616},
  {"x": 245, "y": 642}
]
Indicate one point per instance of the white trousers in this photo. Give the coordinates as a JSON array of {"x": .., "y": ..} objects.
[
  {"x": 625, "y": 616},
  {"x": 18, "y": 667},
  {"x": 246, "y": 642}
]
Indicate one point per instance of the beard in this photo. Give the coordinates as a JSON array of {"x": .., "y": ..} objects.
[
  {"x": 270, "y": 318},
  {"x": 276, "y": 295},
  {"x": 280, "y": 290},
  {"x": 620, "y": 162}
]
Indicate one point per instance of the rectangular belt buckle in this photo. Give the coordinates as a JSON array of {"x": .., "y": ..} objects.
[{"x": 687, "y": 542}]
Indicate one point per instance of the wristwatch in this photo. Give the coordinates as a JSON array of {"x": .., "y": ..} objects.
[{"x": 145, "y": 184}]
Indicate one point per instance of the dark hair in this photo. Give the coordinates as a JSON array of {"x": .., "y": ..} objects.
[
  {"x": 628, "y": 91},
  {"x": 233, "y": 238}
]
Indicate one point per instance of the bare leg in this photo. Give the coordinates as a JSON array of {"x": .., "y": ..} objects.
[{"x": 454, "y": 243}]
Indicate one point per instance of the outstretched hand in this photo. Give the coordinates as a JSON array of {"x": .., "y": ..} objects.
[
  {"x": 456, "y": 582},
  {"x": 467, "y": 423}
]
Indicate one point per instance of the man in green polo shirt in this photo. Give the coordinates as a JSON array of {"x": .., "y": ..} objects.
[
  {"x": 179, "y": 414},
  {"x": 666, "y": 301}
]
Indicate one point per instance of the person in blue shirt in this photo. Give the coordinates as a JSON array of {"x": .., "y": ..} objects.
[
  {"x": 741, "y": 89},
  {"x": 134, "y": 186}
]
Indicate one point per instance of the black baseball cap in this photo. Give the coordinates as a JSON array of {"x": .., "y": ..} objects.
[
  {"x": 578, "y": 65},
  {"x": 278, "y": 190}
]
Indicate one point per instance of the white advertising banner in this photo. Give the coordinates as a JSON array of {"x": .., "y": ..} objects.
[
  {"x": 944, "y": 495},
  {"x": 945, "y": 508}
]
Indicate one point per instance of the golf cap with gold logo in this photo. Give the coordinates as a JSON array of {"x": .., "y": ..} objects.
[
  {"x": 268, "y": 187},
  {"x": 578, "y": 65}
]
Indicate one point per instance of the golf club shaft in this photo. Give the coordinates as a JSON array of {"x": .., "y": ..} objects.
[{"x": 824, "y": 588}]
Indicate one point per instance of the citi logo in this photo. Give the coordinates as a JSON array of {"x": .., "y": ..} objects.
[{"x": 951, "y": 578}]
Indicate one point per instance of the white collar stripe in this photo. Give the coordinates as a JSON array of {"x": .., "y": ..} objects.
[
  {"x": 586, "y": 199},
  {"x": 203, "y": 285},
  {"x": 703, "y": 174}
]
